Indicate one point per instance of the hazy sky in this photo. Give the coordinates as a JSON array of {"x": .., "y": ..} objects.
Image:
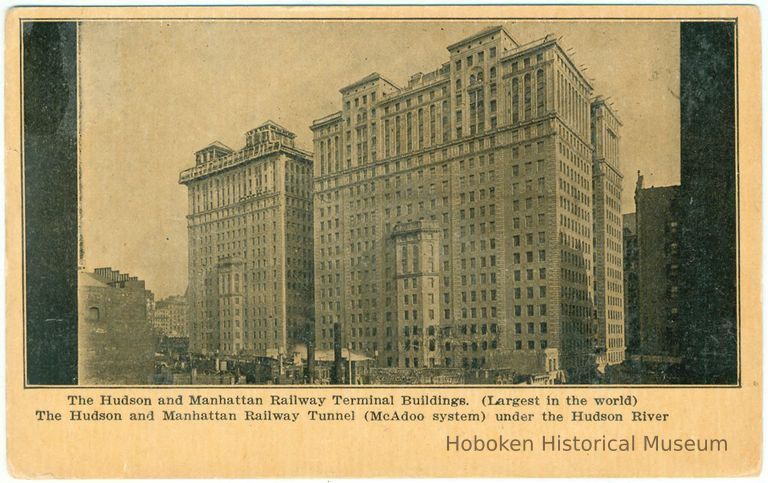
[{"x": 152, "y": 93}]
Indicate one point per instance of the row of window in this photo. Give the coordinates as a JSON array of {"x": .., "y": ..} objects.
[{"x": 480, "y": 56}]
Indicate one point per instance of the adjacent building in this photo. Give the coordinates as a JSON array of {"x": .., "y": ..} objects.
[
  {"x": 608, "y": 231},
  {"x": 250, "y": 245},
  {"x": 454, "y": 217},
  {"x": 709, "y": 177},
  {"x": 658, "y": 270},
  {"x": 171, "y": 316},
  {"x": 631, "y": 256},
  {"x": 655, "y": 330},
  {"x": 116, "y": 341}
]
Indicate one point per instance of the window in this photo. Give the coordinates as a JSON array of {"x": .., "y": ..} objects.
[
  {"x": 540, "y": 92},
  {"x": 527, "y": 96},
  {"x": 515, "y": 104},
  {"x": 94, "y": 315}
]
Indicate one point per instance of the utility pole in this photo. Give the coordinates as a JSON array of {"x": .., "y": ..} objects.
[
  {"x": 310, "y": 343},
  {"x": 336, "y": 377}
]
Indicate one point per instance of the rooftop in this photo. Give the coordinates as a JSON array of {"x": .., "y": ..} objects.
[
  {"x": 601, "y": 101},
  {"x": 483, "y": 33},
  {"x": 323, "y": 120},
  {"x": 272, "y": 125},
  {"x": 107, "y": 277},
  {"x": 85, "y": 279},
  {"x": 369, "y": 78},
  {"x": 236, "y": 158},
  {"x": 219, "y": 145}
]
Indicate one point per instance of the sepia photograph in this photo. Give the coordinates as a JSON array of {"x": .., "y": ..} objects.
[
  {"x": 397, "y": 202},
  {"x": 465, "y": 241}
]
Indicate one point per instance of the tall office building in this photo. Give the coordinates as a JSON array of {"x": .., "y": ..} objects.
[
  {"x": 454, "y": 217},
  {"x": 250, "y": 245},
  {"x": 608, "y": 229}
]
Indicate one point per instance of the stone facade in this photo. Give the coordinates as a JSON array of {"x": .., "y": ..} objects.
[
  {"x": 116, "y": 341},
  {"x": 608, "y": 229},
  {"x": 453, "y": 216},
  {"x": 250, "y": 245}
]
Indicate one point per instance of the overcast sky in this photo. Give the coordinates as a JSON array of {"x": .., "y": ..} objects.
[{"x": 152, "y": 93}]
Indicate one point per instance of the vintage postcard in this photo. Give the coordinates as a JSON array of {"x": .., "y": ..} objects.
[{"x": 383, "y": 242}]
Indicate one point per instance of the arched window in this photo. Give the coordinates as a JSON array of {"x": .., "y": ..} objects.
[{"x": 94, "y": 315}]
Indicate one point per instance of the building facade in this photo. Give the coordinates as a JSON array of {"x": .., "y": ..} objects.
[
  {"x": 608, "y": 230},
  {"x": 250, "y": 245},
  {"x": 658, "y": 270},
  {"x": 631, "y": 255},
  {"x": 171, "y": 316},
  {"x": 453, "y": 216},
  {"x": 116, "y": 341}
]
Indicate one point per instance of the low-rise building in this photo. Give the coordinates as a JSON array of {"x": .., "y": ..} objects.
[
  {"x": 171, "y": 316},
  {"x": 116, "y": 341}
]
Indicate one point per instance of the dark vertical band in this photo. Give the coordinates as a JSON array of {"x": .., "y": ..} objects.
[
  {"x": 50, "y": 200},
  {"x": 708, "y": 202}
]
